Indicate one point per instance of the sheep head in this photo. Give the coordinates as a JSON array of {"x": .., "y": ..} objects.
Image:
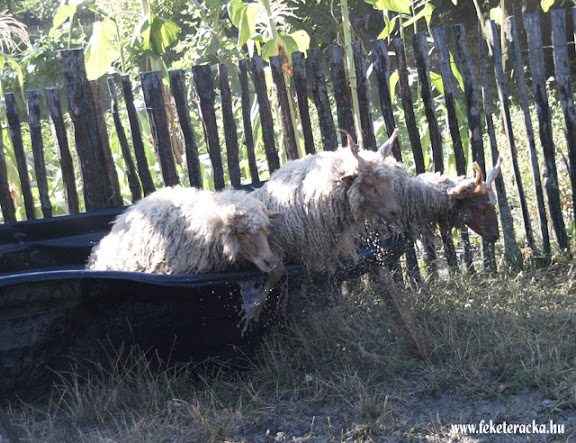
[
  {"x": 370, "y": 181},
  {"x": 246, "y": 235},
  {"x": 475, "y": 202}
]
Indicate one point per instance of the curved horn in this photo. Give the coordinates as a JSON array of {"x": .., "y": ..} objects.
[
  {"x": 479, "y": 174},
  {"x": 352, "y": 144},
  {"x": 387, "y": 146},
  {"x": 494, "y": 172}
]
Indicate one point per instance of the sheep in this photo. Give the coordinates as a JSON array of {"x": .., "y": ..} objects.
[
  {"x": 179, "y": 230},
  {"x": 325, "y": 199},
  {"x": 431, "y": 199}
]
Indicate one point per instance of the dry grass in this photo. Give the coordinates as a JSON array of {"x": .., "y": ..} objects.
[{"x": 503, "y": 348}]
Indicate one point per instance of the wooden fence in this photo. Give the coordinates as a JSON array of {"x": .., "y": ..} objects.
[{"x": 308, "y": 73}]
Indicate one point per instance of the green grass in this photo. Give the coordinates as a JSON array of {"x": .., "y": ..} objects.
[{"x": 502, "y": 348}]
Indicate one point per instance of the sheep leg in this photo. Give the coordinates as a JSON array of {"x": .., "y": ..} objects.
[{"x": 403, "y": 317}]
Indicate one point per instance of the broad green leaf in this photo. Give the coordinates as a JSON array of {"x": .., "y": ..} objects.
[
  {"x": 157, "y": 35},
  {"x": 547, "y": 4},
  {"x": 16, "y": 66},
  {"x": 426, "y": 12},
  {"x": 497, "y": 15},
  {"x": 102, "y": 49},
  {"x": 236, "y": 12},
  {"x": 64, "y": 13},
  {"x": 394, "y": 78},
  {"x": 436, "y": 80},
  {"x": 389, "y": 28},
  {"x": 456, "y": 72},
  {"x": 402, "y": 6},
  {"x": 302, "y": 40}
]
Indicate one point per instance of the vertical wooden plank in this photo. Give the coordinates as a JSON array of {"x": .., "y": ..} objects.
[
  {"x": 230, "y": 133},
  {"x": 511, "y": 249},
  {"x": 408, "y": 106},
  {"x": 259, "y": 80},
  {"x": 382, "y": 70},
  {"x": 494, "y": 40},
  {"x": 453, "y": 125},
  {"x": 64, "y": 156},
  {"x": 562, "y": 67},
  {"x": 341, "y": 92},
  {"x": 516, "y": 56},
  {"x": 368, "y": 137},
  {"x": 207, "y": 95},
  {"x": 178, "y": 87},
  {"x": 131, "y": 174},
  {"x": 6, "y": 201},
  {"x": 301, "y": 85},
  {"x": 321, "y": 100},
  {"x": 534, "y": 36},
  {"x": 139, "y": 151},
  {"x": 246, "y": 120},
  {"x": 16, "y": 134},
  {"x": 153, "y": 91},
  {"x": 423, "y": 66},
  {"x": 33, "y": 101},
  {"x": 283, "y": 102},
  {"x": 103, "y": 152},
  {"x": 82, "y": 115}
]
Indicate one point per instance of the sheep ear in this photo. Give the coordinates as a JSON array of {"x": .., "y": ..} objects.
[
  {"x": 275, "y": 215},
  {"x": 347, "y": 179},
  {"x": 387, "y": 146}
]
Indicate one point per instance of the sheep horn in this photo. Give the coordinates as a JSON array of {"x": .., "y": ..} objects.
[
  {"x": 387, "y": 146},
  {"x": 494, "y": 172},
  {"x": 479, "y": 179},
  {"x": 352, "y": 144}
]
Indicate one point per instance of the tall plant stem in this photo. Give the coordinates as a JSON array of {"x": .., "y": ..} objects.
[{"x": 351, "y": 67}]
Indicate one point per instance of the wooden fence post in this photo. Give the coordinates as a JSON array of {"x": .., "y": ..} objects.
[
  {"x": 341, "y": 92},
  {"x": 534, "y": 36},
  {"x": 505, "y": 111},
  {"x": 368, "y": 137},
  {"x": 268, "y": 137},
  {"x": 382, "y": 70},
  {"x": 61, "y": 141},
  {"x": 301, "y": 85},
  {"x": 16, "y": 134},
  {"x": 246, "y": 120},
  {"x": 288, "y": 133},
  {"x": 153, "y": 91},
  {"x": 514, "y": 52},
  {"x": 131, "y": 175},
  {"x": 511, "y": 249},
  {"x": 85, "y": 129},
  {"x": 562, "y": 65},
  {"x": 230, "y": 133},
  {"x": 321, "y": 100},
  {"x": 6, "y": 201},
  {"x": 35, "y": 125},
  {"x": 139, "y": 151},
  {"x": 178, "y": 87}
]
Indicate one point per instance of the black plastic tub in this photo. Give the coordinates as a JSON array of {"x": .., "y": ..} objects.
[{"x": 52, "y": 310}]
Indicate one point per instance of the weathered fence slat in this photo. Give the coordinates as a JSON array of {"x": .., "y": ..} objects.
[
  {"x": 246, "y": 120},
  {"x": 321, "y": 100},
  {"x": 178, "y": 87},
  {"x": 64, "y": 156},
  {"x": 511, "y": 249},
  {"x": 82, "y": 115},
  {"x": 139, "y": 151},
  {"x": 35, "y": 125},
  {"x": 534, "y": 36},
  {"x": 153, "y": 91},
  {"x": 561, "y": 63},
  {"x": 103, "y": 153},
  {"x": 408, "y": 106},
  {"x": 259, "y": 80},
  {"x": 341, "y": 92},
  {"x": 16, "y": 134},
  {"x": 364, "y": 105},
  {"x": 515, "y": 55},
  {"x": 288, "y": 133},
  {"x": 301, "y": 85},
  {"x": 423, "y": 67},
  {"x": 473, "y": 116},
  {"x": 6, "y": 201},
  {"x": 131, "y": 176},
  {"x": 230, "y": 134},
  {"x": 382, "y": 70},
  {"x": 505, "y": 112},
  {"x": 439, "y": 35}
]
